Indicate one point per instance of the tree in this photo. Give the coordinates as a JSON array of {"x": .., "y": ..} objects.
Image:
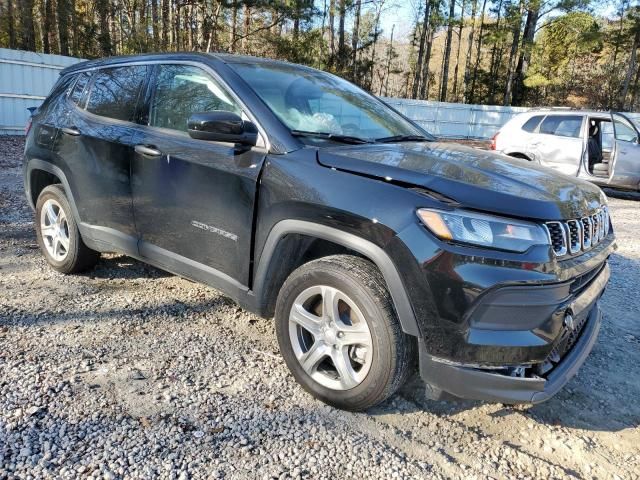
[
  {"x": 467, "y": 63},
  {"x": 447, "y": 51}
]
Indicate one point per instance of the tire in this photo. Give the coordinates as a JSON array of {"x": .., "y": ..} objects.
[
  {"x": 58, "y": 236},
  {"x": 371, "y": 371}
]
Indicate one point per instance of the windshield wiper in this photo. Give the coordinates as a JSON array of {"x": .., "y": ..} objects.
[
  {"x": 403, "y": 138},
  {"x": 331, "y": 136}
]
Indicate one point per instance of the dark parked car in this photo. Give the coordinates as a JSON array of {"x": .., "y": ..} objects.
[{"x": 306, "y": 199}]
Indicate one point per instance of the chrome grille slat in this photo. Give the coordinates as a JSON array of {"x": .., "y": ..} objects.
[{"x": 579, "y": 234}]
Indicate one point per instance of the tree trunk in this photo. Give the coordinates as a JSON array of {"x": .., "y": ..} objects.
[
  {"x": 525, "y": 56},
  {"x": 455, "y": 71},
  {"x": 630, "y": 70},
  {"x": 342, "y": 11},
  {"x": 166, "y": 29},
  {"x": 354, "y": 39},
  {"x": 423, "y": 39},
  {"x": 46, "y": 25},
  {"x": 389, "y": 58},
  {"x": 63, "y": 26},
  {"x": 155, "y": 24},
  {"x": 634, "y": 91},
  {"x": 332, "y": 30},
  {"x": 11, "y": 27},
  {"x": 515, "y": 41},
  {"x": 472, "y": 94},
  {"x": 245, "y": 32},
  {"x": 426, "y": 78},
  {"x": 447, "y": 52},
  {"x": 104, "y": 39},
  {"x": 28, "y": 36},
  {"x": 494, "y": 64},
  {"x": 467, "y": 61},
  {"x": 234, "y": 23}
]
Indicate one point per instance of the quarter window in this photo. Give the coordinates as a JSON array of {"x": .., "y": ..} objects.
[
  {"x": 182, "y": 90},
  {"x": 531, "y": 124},
  {"x": 115, "y": 92},
  {"x": 562, "y": 125},
  {"x": 78, "y": 89}
]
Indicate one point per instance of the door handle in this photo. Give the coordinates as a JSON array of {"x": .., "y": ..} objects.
[
  {"x": 147, "y": 151},
  {"x": 73, "y": 131}
]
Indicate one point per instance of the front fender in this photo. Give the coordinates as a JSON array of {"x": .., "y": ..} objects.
[{"x": 368, "y": 249}]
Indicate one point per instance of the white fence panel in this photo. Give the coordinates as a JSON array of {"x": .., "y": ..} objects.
[{"x": 25, "y": 80}]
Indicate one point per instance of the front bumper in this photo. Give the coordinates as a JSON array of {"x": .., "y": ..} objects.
[{"x": 490, "y": 384}]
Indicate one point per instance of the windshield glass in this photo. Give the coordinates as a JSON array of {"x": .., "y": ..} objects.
[{"x": 307, "y": 100}]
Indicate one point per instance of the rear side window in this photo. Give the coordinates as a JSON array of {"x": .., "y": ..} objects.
[
  {"x": 562, "y": 125},
  {"x": 115, "y": 92},
  {"x": 531, "y": 124},
  {"x": 78, "y": 89}
]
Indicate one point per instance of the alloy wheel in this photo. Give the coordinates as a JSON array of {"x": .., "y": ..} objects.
[
  {"x": 54, "y": 229},
  {"x": 330, "y": 337}
]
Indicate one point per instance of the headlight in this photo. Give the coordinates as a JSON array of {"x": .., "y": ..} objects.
[{"x": 483, "y": 230}]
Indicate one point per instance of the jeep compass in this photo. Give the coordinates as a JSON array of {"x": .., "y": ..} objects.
[{"x": 375, "y": 248}]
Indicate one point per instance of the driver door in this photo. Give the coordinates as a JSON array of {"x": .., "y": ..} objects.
[
  {"x": 193, "y": 199},
  {"x": 625, "y": 163}
]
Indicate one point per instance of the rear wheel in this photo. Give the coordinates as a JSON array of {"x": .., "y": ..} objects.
[
  {"x": 339, "y": 334},
  {"x": 58, "y": 235}
]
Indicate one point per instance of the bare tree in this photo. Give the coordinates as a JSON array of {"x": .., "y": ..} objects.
[{"x": 447, "y": 52}]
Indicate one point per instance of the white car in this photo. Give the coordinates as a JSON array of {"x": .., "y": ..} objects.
[{"x": 601, "y": 147}]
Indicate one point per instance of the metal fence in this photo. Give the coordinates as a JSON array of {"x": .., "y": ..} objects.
[
  {"x": 26, "y": 78},
  {"x": 457, "y": 120}
]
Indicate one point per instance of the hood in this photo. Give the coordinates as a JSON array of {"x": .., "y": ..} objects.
[{"x": 474, "y": 178}]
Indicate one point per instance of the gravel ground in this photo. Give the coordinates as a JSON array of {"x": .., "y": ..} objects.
[{"x": 127, "y": 371}]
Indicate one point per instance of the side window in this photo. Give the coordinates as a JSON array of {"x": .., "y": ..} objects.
[
  {"x": 58, "y": 91},
  {"x": 623, "y": 131},
  {"x": 562, "y": 125},
  {"x": 531, "y": 124},
  {"x": 78, "y": 89},
  {"x": 115, "y": 92},
  {"x": 181, "y": 90}
]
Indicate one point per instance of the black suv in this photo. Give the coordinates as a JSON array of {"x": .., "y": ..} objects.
[{"x": 306, "y": 199}]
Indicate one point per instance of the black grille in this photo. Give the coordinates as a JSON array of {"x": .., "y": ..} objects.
[
  {"x": 556, "y": 232},
  {"x": 586, "y": 232},
  {"x": 574, "y": 236},
  {"x": 595, "y": 219}
]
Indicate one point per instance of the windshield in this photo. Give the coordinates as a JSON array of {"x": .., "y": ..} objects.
[{"x": 310, "y": 101}]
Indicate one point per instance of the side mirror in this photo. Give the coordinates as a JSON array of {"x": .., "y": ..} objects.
[{"x": 221, "y": 126}]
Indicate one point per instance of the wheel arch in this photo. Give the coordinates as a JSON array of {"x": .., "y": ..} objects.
[
  {"x": 40, "y": 174},
  {"x": 288, "y": 243}
]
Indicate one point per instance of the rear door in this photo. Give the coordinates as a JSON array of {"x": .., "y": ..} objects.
[
  {"x": 95, "y": 143},
  {"x": 193, "y": 199},
  {"x": 625, "y": 163},
  {"x": 559, "y": 143}
]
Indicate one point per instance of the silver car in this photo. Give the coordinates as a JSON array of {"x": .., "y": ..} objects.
[{"x": 600, "y": 147}]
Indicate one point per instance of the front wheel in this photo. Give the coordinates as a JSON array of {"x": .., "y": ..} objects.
[{"x": 339, "y": 334}]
